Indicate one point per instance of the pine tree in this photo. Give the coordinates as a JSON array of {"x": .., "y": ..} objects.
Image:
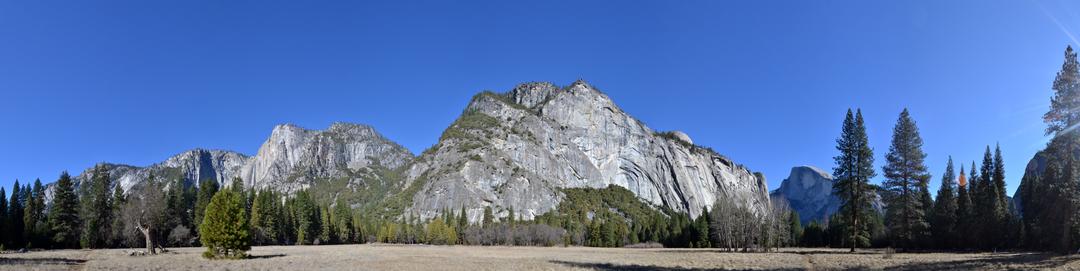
[
  {"x": 4, "y": 235},
  {"x": 906, "y": 175},
  {"x": 207, "y": 189},
  {"x": 64, "y": 213},
  {"x": 944, "y": 219},
  {"x": 854, "y": 168},
  {"x": 462, "y": 223},
  {"x": 1008, "y": 226},
  {"x": 325, "y": 230},
  {"x": 701, "y": 230},
  {"x": 1049, "y": 201},
  {"x": 177, "y": 209},
  {"x": 925, "y": 235},
  {"x": 307, "y": 216},
  {"x": 489, "y": 218},
  {"x": 266, "y": 219},
  {"x": 118, "y": 201},
  {"x": 974, "y": 226},
  {"x": 41, "y": 225},
  {"x": 15, "y": 224},
  {"x": 225, "y": 229},
  {"x": 343, "y": 221},
  {"x": 30, "y": 214},
  {"x": 795, "y": 225},
  {"x": 1064, "y": 112},
  {"x": 999, "y": 178},
  {"x": 990, "y": 210},
  {"x": 27, "y": 203},
  {"x": 96, "y": 209},
  {"x": 510, "y": 217}
]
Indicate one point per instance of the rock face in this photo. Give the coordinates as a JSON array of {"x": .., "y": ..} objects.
[
  {"x": 293, "y": 157},
  {"x": 289, "y": 160},
  {"x": 518, "y": 149},
  {"x": 1035, "y": 169},
  {"x": 191, "y": 165},
  {"x": 513, "y": 150},
  {"x": 808, "y": 190}
]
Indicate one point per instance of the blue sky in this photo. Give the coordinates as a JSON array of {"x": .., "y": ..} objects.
[{"x": 763, "y": 82}]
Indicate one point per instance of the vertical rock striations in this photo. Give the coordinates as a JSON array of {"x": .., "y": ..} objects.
[
  {"x": 513, "y": 150},
  {"x": 518, "y": 149}
]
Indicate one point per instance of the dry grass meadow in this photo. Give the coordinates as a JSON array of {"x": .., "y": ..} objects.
[{"x": 420, "y": 257}]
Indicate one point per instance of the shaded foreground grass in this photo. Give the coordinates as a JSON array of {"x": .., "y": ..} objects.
[{"x": 422, "y": 257}]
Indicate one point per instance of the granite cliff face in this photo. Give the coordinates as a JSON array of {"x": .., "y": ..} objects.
[
  {"x": 518, "y": 149},
  {"x": 291, "y": 159},
  {"x": 507, "y": 150},
  {"x": 808, "y": 190}
]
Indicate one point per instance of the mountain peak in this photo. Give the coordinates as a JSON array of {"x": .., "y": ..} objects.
[
  {"x": 533, "y": 93},
  {"x": 517, "y": 149}
]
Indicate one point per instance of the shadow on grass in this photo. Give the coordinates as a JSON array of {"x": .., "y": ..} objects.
[
  {"x": 803, "y": 252},
  {"x": 1022, "y": 261},
  {"x": 634, "y": 267},
  {"x": 837, "y": 252},
  {"x": 40, "y": 261},
  {"x": 265, "y": 256}
]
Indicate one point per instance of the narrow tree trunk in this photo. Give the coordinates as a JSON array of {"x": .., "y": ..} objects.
[
  {"x": 149, "y": 241},
  {"x": 146, "y": 234}
]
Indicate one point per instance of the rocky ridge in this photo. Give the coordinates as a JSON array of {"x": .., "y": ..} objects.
[
  {"x": 513, "y": 150},
  {"x": 518, "y": 149}
]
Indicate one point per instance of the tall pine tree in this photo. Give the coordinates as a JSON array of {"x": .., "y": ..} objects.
[
  {"x": 906, "y": 176},
  {"x": 999, "y": 178},
  {"x": 116, "y": 235},
  {"x": 854, "y": 168},
  {"x": 64, "y": 213},
  {"x": 4, "y": 235},
  {"x": 1049, "y": 199},
  {"x": 96, "y": 209},
  {"x": 15, "y": 217},
  {"x": 207, "y": 188},
  {"x": 944, "y": 217},
  {"x": 990, "y": 210}
]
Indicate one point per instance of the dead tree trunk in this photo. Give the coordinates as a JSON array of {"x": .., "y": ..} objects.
[{"x": 145, "y": 230}]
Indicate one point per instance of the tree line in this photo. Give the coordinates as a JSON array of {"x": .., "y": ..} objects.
[
  {"x": 967, "y": 216},
  {"x": 970, "y": 211}
]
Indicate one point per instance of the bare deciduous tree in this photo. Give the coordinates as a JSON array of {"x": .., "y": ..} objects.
[{"x": 145, "y": 213}]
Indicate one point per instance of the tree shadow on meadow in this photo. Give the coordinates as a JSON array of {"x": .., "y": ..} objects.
[
  {"x": 802, "y": 252},
  {"x": 269, "y": 256},
  {"x": 1023, "y": 261},
  {"x": 40, "y": 261},
  {"x": 634, "y": 267}
]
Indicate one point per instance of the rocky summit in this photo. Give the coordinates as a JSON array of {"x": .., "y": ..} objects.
[
  {"x": 809, "y": 191},
  {"x": 291, "y": 159},
  {"x": 507, "y": 151},
  {"x": 516, "y": 150}
]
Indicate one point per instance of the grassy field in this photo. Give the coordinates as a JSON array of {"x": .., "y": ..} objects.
[{"x": 418, "y": 257}]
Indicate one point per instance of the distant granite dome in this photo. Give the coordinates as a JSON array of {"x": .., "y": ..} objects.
[
  {"x": 808, "y": 190},
  {"x": 682, "y": 136}
]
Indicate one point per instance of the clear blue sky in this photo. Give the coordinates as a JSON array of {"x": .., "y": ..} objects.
[{"x": 763, "y": 82}]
